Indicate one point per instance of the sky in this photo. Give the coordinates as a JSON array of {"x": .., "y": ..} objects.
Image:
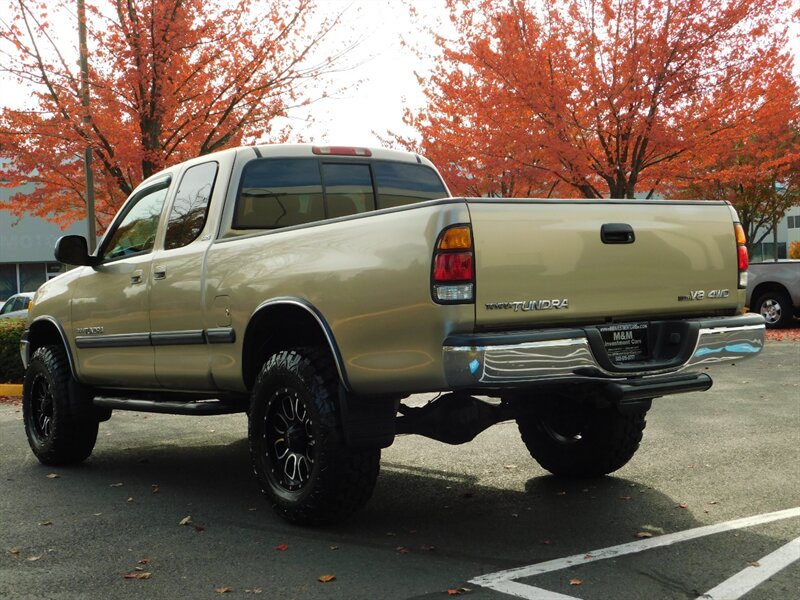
[{"x": 363, "y": 113}]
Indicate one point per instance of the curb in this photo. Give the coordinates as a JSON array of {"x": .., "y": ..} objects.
[{"x": 10, "y": 389}]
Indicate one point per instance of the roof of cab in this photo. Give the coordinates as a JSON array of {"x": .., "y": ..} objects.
[{"x": 308, "y": 150}]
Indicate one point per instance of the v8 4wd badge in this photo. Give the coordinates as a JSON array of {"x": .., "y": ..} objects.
[{"x": 702, "y": 295}]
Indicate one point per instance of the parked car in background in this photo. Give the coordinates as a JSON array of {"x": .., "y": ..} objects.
[
  {"x": 773, "y": 289},
  {"x": 17, "y": 306}
]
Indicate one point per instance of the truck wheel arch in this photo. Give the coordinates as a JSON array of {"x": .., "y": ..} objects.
[
  {"x": 281, "y": 324},
  {"x": 46, "y": 331},
  {"x": 763, "y": 288}
]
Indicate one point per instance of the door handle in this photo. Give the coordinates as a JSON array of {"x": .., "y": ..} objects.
[
  {"x": 136, "y": 276},
  {"x": 159, "y": 272},
  {"x": 617, "y": 233}
]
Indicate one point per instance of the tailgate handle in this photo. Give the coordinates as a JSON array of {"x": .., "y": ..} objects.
[{"x": 617, "y": 233}]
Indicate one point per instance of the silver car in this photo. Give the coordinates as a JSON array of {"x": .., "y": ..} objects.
[
  {"x": 17, "y": 306},
  {"x": 773, "y": 289}
]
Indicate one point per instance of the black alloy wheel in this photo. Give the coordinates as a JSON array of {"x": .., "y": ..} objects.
[{"x": 297, "y": 448}]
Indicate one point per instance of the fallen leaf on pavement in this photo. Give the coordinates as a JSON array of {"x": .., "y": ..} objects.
[
  {"x": 33, "y": 558},
  {"x": 223, "y": 590},
  {"x": 402, "y": 550},
  {"x": 186, "y": 520},
  {"x": 45, "y": 523},
  {"x": 754, "y": 563},
  {"x": 683, "y": 505},
  {"x": 575, "y": 581},
  {"x": 53, "y": 476},
  {"x": 120, "y": 484},
  {"x": 140, "y": 575},
  {"x": 155, "y": 488},
  {"x": 427, "y": 548},
  {"x": 282, "y": 547},
  {"x": 254, "y": 591},
  {"x": 15, "y": 551},
  {"x": 644, "y": 534},
  {"x": 326, "y": 578},
  {"x": 145, "y": 561}
]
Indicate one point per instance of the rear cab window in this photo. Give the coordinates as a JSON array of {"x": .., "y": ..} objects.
[{"x": 284, "y": 192}]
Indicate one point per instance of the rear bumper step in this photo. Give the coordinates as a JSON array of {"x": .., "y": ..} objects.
[{"x": 633, "y": 390}]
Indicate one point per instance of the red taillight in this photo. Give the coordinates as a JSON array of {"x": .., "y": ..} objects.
[
  {"x": 453, "y": 272},
  {"x": 744, "y": 259},
  {"x": 453, "y": 267}
]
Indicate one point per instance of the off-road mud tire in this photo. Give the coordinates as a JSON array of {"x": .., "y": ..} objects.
[
  {"x": 57, "y": 411},
  {"x": 581, "y": 440},
  {"x": 297, "y": 449}
]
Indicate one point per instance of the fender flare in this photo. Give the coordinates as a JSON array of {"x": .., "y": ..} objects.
[
  {"x": 316, "y": 314},
  {"x": 30, "y": 335}
]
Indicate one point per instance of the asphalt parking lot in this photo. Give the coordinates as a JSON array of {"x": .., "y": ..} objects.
[{"x": 166, "y": 508}]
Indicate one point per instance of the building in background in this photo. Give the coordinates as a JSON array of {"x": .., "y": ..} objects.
[
  {"x": 788, "y": 232},
  {"x": 26, "y": 250}
]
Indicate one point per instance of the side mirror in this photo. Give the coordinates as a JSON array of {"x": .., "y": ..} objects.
[{"x": 73, "y": 250}]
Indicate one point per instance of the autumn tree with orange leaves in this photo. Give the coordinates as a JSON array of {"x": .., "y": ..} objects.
[
  {"x": 606, "y": 98},
  {"x": 169, "y": 80}
]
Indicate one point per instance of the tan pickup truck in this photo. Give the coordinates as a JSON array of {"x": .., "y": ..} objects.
[{"x": 316, "y": 288}]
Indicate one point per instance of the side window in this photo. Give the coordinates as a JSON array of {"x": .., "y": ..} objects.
[
  {"x": 8, "y": 306},
  {"x": 190, "y": 209},
  {"x": 348, "y": 189},
  {"x": 136, "y": 232},
  {"x": 279, "y": 193},
  {"x": 401, "y": 183}
]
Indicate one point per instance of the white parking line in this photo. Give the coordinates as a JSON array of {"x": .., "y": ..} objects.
[
  {"x": 504, "y": 581},
  {"x": 744, "y": 581}
]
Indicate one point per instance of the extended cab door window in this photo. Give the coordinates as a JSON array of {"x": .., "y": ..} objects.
[
  {"x": 190, "y": 208},
  {"x": 136, "y": 232}
]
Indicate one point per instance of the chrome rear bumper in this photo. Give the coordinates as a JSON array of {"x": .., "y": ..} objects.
[{"x": 483, "y": 360}]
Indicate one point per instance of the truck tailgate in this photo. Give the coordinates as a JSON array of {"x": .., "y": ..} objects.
[{"x": 583, "y": 262}]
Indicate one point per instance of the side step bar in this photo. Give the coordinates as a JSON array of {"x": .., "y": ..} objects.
[{"x": 171, "y": 407}]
